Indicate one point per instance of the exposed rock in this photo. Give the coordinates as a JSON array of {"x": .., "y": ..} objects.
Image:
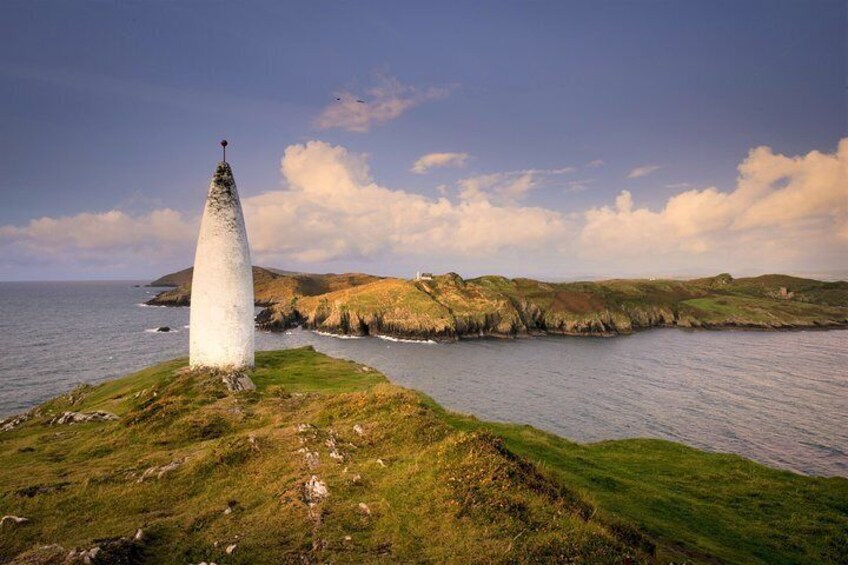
[
  {"x": 315, "y": 490},
  {"x": 238, "y": 382},
  {"x": 310, "y": 457},
  {"x": 334, "y": 450},
  {"x": 278, "y": 317},
  {"x": 13, "y": 520},
  {"x": 12, "y": 422},
  {"x": 360, "y": 431},
  {"x": 380, "y": 463},
  {"x": 230, "y": 549},
  {"x": 364, "y": 508},
  {"x": 82, "y": 417},
  {"x": 161, "y": 470},
  {"x": 111, "y": 551}
]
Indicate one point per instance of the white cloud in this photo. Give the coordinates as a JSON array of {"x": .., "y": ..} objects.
[
  {"x": 388, "y": 100},
  {"x": 784, "y": 213},
  {"x": 596, "y": 163},
  {"x": 113, "y": 240},
  {"x": 333, "y": 209},
  {"x": 507, "y": 187},
  {"x": 642, "y": 171},
  {"x": 433, "y": 160},
  {"x": 112, "y": 230}
]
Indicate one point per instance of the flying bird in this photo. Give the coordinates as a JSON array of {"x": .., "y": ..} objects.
[
  {"x": 361, "y": 101},
  {"x": 339, "y": 99}
]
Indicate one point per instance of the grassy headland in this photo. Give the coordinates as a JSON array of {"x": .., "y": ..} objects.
[
  {"x": 328, "y": 462},
  {"x": 450, "y": 307}
]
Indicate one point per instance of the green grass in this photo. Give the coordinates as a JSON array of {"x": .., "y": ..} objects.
[
  {"x": 695, "y": 505},
  {"x": 446, "y": 488}
]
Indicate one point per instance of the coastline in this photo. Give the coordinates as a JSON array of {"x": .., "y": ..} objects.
[{"x": 448, "y": 308}]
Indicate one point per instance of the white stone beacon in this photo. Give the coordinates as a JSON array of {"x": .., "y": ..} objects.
[{"x": 222, "y": 322}]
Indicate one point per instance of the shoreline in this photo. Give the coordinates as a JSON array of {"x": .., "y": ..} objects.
[{"x": 333, "y": 332}]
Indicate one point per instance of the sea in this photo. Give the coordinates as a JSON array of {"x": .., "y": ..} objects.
[{"x": 780, "y": 398}]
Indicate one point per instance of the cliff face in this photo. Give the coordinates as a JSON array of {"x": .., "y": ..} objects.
[{"x": 449, "y": 307}]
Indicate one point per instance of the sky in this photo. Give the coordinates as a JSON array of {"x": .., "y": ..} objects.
[{"x": 555, "y": 140}]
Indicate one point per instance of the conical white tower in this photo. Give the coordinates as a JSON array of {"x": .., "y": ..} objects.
[{"x": 222, "y": 326}]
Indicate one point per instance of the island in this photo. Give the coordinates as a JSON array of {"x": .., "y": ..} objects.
[
  {"x": 448, "y": 307},
  {"x": 326, "y": 461}
]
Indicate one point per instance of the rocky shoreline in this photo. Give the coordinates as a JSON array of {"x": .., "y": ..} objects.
[{"x": 608, "y": 324}]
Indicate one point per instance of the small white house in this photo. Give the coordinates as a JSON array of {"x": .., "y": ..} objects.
[{"x": 419, "y": 276}]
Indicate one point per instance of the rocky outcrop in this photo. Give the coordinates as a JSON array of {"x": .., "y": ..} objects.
[
  {"x": 180, "y": 296},
  {"x": 12, "y": 422},
  {"x": 238, "y": 382},
  {"x": 82, "y": 417}
]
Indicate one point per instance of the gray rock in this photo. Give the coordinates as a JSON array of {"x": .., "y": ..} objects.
[
  {"x": 12, "y": 422},
  {"x": 238, "y": 382},
  {"x": 82, "y": 417},
  {"x": 161, "y": 470},
  {"x": 13, "y": 520},
  {"x": 316, "y": 490}
]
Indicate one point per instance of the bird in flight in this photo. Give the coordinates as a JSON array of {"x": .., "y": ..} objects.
[{"x": 361, "y": 101}]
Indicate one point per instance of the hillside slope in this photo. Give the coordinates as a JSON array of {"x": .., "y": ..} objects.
[{"x": 327, "y": 462}]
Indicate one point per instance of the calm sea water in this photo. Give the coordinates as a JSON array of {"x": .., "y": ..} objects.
[{"x": 780, "y": 398}]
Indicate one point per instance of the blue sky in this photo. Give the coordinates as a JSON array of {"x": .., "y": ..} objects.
[{"x": 115, "y": 106}]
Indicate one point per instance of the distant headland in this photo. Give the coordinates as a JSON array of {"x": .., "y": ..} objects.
[{"x": 448, "y": 307}]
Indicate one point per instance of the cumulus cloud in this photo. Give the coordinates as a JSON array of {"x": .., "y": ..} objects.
[
  {"x": 596, "y": 163},
  {"x": 384, "y": 102},
  {"x": 333, "y": 209},
  {"x": 783, "y": 209},
  {"x": 642, "y": 171},
  {"x": 433, "y": 160}
]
